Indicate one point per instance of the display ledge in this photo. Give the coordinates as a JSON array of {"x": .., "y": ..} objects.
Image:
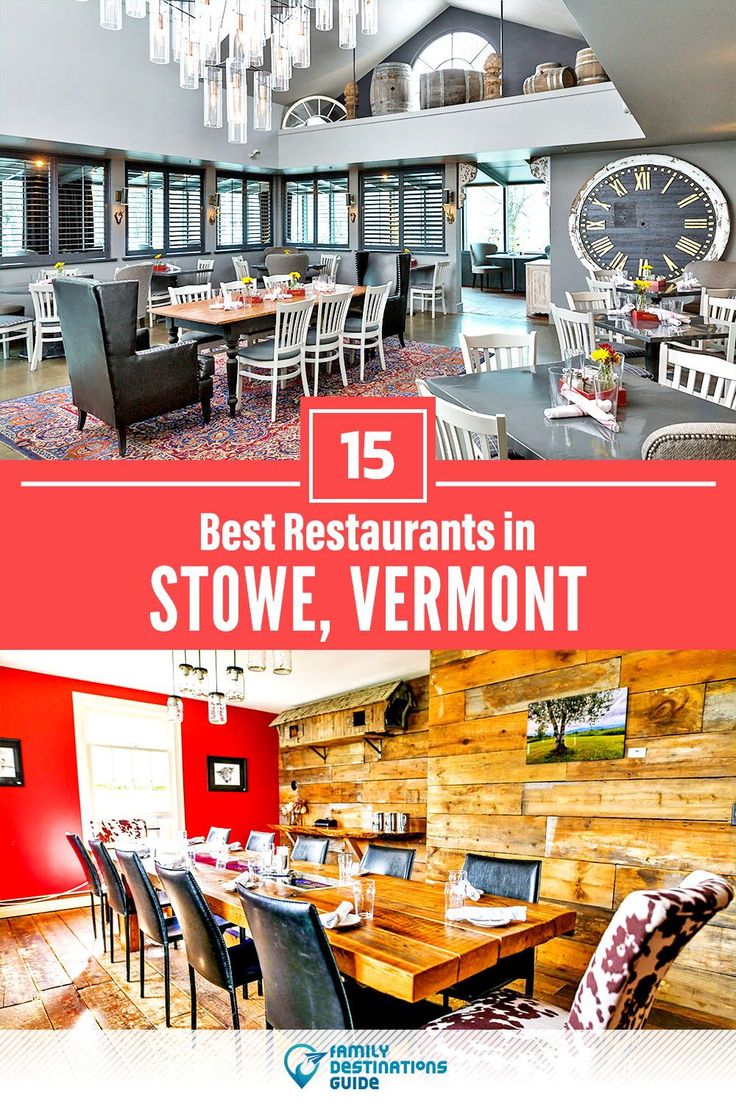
[{"x": 353, "y": 838}]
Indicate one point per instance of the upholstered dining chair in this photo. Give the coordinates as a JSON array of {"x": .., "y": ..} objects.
[
  {"x": 260, "y": 841},
  {"x": 281, "y": 264},
  {"x": 691, "y": 441},
  {"x": 376, "y": 269},
  {"x": 481, "y": 263},
  {"x": 119, "y": 900},
  {"x": 396, "y": 862},
  {"x": 207, "y": 953},
  {"x": 142, "y": 274},
  {"x": 310, "y": 850},
  {"x": 645, "y": 936},
  {"x": 432, "y": 294},
  {"x": 518, "y": 879},
  {"x": 94, "y": 884},
  {"x": 462, "y": 434},
  {"x": 218, "y": 836}
]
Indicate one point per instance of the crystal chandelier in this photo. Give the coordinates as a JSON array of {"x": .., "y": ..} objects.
[{"x": 215, "y": 42}]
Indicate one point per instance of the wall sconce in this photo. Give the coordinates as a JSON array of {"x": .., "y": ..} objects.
[
  {"x": 121, "y": 205},
  {"x": 449, "y": 206},
  {"x": 351, "y": 203},
  {"x": 213, "y": 209}
]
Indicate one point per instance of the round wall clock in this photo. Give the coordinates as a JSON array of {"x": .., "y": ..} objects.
[{"x": 649, "y": 208}]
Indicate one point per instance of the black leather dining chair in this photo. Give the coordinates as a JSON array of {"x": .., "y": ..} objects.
[
  {"x": 516, "y": 878},
  {"x": 303, "y": 988},
  {"x": 260, "y": 841},
  {"x": 118, "y": 898},
  {"x": 386, "y": 268},
  {"x": 207, "y": 953},
  {"x": 95, "y": 886},
  {"x": 396, "y": 862},
  {"x": 310, "y": 850}
]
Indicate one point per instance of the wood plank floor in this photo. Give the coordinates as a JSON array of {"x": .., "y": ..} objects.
[{"x": 54, "y": 974}]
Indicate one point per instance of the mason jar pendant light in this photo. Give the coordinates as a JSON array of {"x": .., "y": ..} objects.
[
  {"x": 323, "y": 15},
  {"x": 111, "y": 15},
  {"x": 136, "y": 9},
  {"x": 216, "y": 705},
  {"x": 199, "y": 679},
  {"x": 282, "y": 663},
  {"x": 348, "y": 24},
  {"x": 159, "y": 33},
  {"x": 213, "y": 96},
  {"x": 174, "y": 704},
  {"x": 237, "y": 102},
  {"x": 185, "y": 676},
  {"x": 262, "y": 101},
  {"x": 234, "y": 682},
  {"x": 256, "y": 661}
]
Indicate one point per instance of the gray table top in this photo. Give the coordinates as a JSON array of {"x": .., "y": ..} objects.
[
  {"x": 522, "y": 394},
  {"x": 690, "y": 330}
]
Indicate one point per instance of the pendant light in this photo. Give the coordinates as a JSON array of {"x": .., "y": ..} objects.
[
  {"x": 237, "y": 102},
  {"x": 213, "y": 96},
  {"x": 299, "y": 38},
  {"x": 189, "y": 63},
  {"x": 369, "y": 17},
  {"x": 174, "y": 704},
  {"x": 159, "y": 41},
  {"x": 111, "y": 15},
  {"x": 256, "y": 661},
  {"x": 262, "y": 101},
  {"x": 235, "y": 682},
  {"x": 282, "y": 663},
  {"x": 185, "y": 676},
  {"x": 323, "y": 15},
  {"x": 280, "y": 58},
  {"x": 136, "y": 9},
  {"x": 216, "y": 705},
  {"x": 199, "y": 678},
  {"x": 348, "y": 24}
]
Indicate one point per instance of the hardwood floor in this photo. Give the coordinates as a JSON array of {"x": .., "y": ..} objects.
[{"x": 53, "y": 974}]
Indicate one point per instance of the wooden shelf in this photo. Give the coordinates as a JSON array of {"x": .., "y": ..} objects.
[{"x": 344, "y": 833}]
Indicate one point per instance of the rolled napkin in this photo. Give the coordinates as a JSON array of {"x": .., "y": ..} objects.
[
  {"x": 488, "y": 914},
  {"x": 340, "y": 915},
  {"x": 470, "y": 891},
  {"x": 687, "y": 283},
  {"x": 621, "y": 312},
  {"x": 569, "y": 411},
  {"x": 667, "y": 316},
  {"x": 590, "y": 406},
  {"x": 247, "y": 881}
]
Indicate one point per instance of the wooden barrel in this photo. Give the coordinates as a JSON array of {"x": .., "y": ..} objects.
[
  {"x": 588, "y": 69},
  {"x": 446, "y": 87},
  {"x": 549, "y": 80},
  {"x": 545, "y": 65},
  {"x": 392, "y": 88}
]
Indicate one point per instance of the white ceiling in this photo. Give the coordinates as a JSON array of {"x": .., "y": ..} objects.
[
  {"x": 546, "y": 15},
  {"x": 315, "y": 675}
]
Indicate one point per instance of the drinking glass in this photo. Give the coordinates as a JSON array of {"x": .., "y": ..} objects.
[
  {"x": 344, "y": 868},
  {"x": 255, "y": 868},
  {"x": 454, "y": 896},
  {"x": 364, "y": 894},
  {"x": 221, "y": 859},
  {"x": 266, "y": 858}
]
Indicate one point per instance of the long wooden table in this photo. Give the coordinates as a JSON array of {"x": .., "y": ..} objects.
[
  {"x": 230, "y": 325},
  {"x": 408, "y": 950}
]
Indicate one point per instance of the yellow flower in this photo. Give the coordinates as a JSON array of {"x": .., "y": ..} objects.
[
  {"x": 158, "y": 257},
  {"x": 59, "y": 265},
  {"x": 599, "y": 354},
  {"x": 641, "y": 285},
  {"x": 287, "y": 252},
  {"x": 295, "y": 276},
  {"x": 246, "y": 280}
]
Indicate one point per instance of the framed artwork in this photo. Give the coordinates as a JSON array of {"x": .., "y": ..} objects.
[
  {"x": 11, "y": 763},
  {"x": 582, "y": 726},
  {"x": 227, "y": 775}
]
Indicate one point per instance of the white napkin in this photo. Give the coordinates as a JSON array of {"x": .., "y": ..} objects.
[
  {"x": 470, "y": 891},
  {"x": 483, "y": 914},
  {"x": 246, "y": 880},
  {"x": 195, "y": 839},
  {"x": 620, "y": 312},
  {"x": 569, "y": 411},
  {"x": 687, "y": 283},
  {"x": 590, "y": 406},
  {"x": 341, "y": 914},
  {"x": 668, "y": 316}
]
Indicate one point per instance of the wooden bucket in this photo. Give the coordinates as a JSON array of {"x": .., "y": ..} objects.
[
  {"x": 447, "y": 87},
  {"x": 392, "y": 88},
  {"x": 588, "y": 69}
]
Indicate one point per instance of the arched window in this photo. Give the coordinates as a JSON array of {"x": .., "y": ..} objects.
[{"x": 457, "y": 50}]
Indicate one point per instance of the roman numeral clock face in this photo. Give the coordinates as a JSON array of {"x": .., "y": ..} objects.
[{"x": 651, "y": 209}]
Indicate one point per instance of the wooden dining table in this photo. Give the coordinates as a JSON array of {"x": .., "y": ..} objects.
[
  {"x": 407, "y": 950},
  {"x": 207, "y": 317}
]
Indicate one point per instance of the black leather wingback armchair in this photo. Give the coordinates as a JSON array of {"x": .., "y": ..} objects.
[
  {"x": 114, "y": 375},
  {"x": 388, "y": 268}
]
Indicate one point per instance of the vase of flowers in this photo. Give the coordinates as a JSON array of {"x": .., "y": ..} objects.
[
  {"x": 159, "y": 265},
  {"x": 248, "y": 289},
  {"x": 605, "y": 379},
  {"x": 297, "y": 287}
]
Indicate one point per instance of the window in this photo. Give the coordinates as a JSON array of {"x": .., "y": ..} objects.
[
  {"x": 244, "y": 221},
  {"x": 164, "y": 211},
  {"x": 402, "y": 209},
  {"x": 315, "y": 211},
  {"x": 515, "y": 217},
  {"x": 128, "y": 762},
  {"x": 458, "y": 50},
  {"x": 484, "y": 215},
  {"x": 52, "y": 208}
]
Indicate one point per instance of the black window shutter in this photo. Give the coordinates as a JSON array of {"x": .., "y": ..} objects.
[
  {"x": 380, "y": 208},
  {"x": 81, "y": 195},
  {"x": 184, "y": 210},
  {"x": 25, "y": 207},
  {"x": 402, "y": 209}
]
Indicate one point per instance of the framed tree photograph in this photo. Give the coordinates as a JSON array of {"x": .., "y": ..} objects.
[
  {"x": 227, "y": 775},
  {"x": 11, "y": 763},
  {"x": 580, "y": 726}
]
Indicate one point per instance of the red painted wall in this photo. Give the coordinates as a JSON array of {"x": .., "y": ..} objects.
[{"x": 35, "y": 858}]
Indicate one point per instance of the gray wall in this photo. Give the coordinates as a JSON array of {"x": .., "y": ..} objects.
[
  {"x": 523, "y": 48},
  {"x": 570, "y": 171}
]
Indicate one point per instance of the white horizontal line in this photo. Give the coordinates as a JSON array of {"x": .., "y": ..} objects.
[
  {"x": 160, "y": 483},
  {"x": 577, "y": 483}
]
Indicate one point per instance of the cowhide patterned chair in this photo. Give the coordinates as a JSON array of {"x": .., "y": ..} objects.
[
  {"x": 645, "y": 936},
  {"x": 114, "y": 829}
]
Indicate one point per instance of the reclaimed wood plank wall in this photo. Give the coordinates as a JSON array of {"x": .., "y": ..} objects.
[{"x": 601, "y": 828}]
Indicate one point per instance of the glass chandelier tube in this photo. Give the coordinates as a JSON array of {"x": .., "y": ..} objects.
[
  {"x": 237, "y": 102},
  {"x": 348, "y": 24},
  {"x": 241, "y": 38},
  {"x": 299, "y": 38},
  {"x": 159, "y": 50},
  {"x": 208, "y": 34},
  {"x": 256, "y": 661},
  {"x": 189, "y": 63},
  {"x": 111, "y": 15},
  {"x": 136, "y": 9},
  {"x": 263, "y": 18},
  {"x": 323, "y": 15},
  {"x": 369, "y": 17},
  {"x": 280, "y": 59},
  {"x": 282, "y": 663},
  {"x": 213, "y": 96},
  {"x": 262, "y": 104}
]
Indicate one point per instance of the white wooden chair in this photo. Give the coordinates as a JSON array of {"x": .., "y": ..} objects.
[
  {"x": 205, "y": 268},
  {"x": 242, "y": 269},
  {"x": 365, "y": 332},
  {"x": 48, "y": 326},
  {"x": 191, "y": 293},
  {"x": 590, "y": 300},
  {"x": 722, "y": 312},
  {"x": 706, "y": 294},
  {"x": 606, "y": 275},
  {"x": 493, "y": 351},
  {"x": 329, "y": 262},
  {"x": 282, "y": 357},
  {"x": 272, "y": 281},
  {"x": 604, "y": 287},
  {"x": 324, "y": 339},
  {"x": 706, "y": 377},
  {"x": 16, "y": 327},
  {"x": 575, "y": 329},
  {"x": 464, "y": 435},
  {"x": 429, "y": 295}
]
